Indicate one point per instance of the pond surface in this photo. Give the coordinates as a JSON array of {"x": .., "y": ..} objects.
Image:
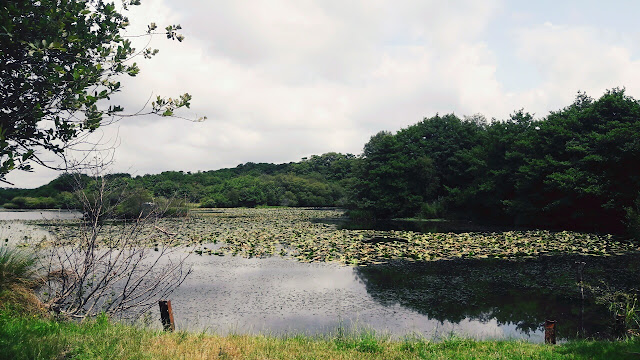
[
  {"x": 474, "y": 298},
  {"x": 14, "y": 230},
  {"x": 278, "y": 296},
  {"x": 478, "y": 298},
  {"x": 6, "y": 214}
]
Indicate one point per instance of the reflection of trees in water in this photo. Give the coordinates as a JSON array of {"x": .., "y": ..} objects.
[{"x": 523, "y": 292}]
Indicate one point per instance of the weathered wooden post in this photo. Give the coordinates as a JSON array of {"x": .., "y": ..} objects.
[
  {"x": 579, "y": 280},
  {"x": 550, "y": 332},
  {"x": 166, "y": 315},
  {"x": 620, "y": 327},
  {"x": 580, "y": 276}
]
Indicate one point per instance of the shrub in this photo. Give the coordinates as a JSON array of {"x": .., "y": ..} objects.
[
  {"x": 431, "y": 210},
  {"x": 632, "y": 220}
]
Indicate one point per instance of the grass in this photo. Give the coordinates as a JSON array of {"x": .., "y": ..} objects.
[
  {"x": 18, "y": 275},
  {"x": 41, "y": 337},
  {"x": 16, "y": 268}
]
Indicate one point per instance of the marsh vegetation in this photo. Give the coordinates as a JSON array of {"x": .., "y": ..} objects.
[{"x": 294, "y": 269}]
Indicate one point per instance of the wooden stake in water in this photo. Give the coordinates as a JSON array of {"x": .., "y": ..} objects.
[
  {"x": 550, "y": 332},
  {"x": 166, "y": 315},
  {"x": 620, "y": 328}
]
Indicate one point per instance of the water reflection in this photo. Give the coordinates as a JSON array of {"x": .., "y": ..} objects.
[
  {"x": 423, "y": 226},
  {"x": 521, "y": 293},
  {"x": 480, "y": 299}
]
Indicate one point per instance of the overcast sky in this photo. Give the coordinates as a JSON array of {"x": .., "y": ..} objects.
[{"x": 280, "y": 80}]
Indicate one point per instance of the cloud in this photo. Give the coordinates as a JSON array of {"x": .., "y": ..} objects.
[
  {"x": 572, "y": 58},
  {"x": 281, "y": 80}
]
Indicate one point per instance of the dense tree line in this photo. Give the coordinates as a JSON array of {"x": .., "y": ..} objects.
[
  {"x": 320, "y": 180},
  {"x": 576, "y": 168}
]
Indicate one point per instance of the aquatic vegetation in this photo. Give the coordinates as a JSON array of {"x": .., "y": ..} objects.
[{"x": 297, "y": 233}]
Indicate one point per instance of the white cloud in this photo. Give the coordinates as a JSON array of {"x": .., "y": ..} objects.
[
  {"x": 280, "y": 80},
  {"x": 572, "y": 58}
]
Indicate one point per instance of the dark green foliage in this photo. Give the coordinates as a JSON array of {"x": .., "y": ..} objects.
[
  {"x": 580, "y": 168},
  {"x": 323, "y": 180},
  {"x": 575, "y": 169},
  {"x": 61, "y": 60},
  {"x": 632, "y": 219},
  {"x": 438, "y": 158}
]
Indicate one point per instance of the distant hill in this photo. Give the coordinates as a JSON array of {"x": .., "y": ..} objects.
[{"x": 320, "y": 180}]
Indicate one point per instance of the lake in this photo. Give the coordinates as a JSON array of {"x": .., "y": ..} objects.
[
  {"x": 478, "y": 298},
  {"x": 6, "y": 214}
]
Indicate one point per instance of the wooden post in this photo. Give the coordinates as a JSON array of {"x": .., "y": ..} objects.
[
  {"x": 166, "y": 315},
  {"x": 580, "y": 270},
  {"x": 620, "y": 327},
  {"x": 550, "y": 332},
  {"x": 580, "y": 276}
]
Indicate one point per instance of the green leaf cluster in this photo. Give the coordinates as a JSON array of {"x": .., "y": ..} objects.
[
  {"x": 60, "y": 61},
  {"x": 574, "y": 169}
]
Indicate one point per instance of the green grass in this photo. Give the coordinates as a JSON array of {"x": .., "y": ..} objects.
[
  {"x": 18, "y": 275},
  {"x": 17, "y": 268},
  {"x": 40, "y": 337}
]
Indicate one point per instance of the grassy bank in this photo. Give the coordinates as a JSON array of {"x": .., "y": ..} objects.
[{"x": 38, "y": 337}]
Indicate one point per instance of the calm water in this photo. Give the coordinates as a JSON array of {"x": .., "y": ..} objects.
[
  {"x": 479, "y": 299},
  {"x": 13, "y": 230},
  {"x": 423, "y": 226},
  {"x": 38, "y": 214},
  {"x": 475, "y": 298},
  {"x": 277, "y": 296}
]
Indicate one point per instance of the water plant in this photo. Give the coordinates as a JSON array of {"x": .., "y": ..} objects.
[
  {"x": 623, "y": 305},
  {"x": 301, "y": 234}
]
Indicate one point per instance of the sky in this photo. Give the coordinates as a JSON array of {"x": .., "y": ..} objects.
[{"x": 280, "y": 80}]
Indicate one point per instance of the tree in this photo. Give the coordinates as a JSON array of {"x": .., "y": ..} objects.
[
  {"x": 117, "y": 267},
  {"x": 59, "y": 64},
  {"x": 390, "y": 182},
  {"x": 580, "y": 168}
]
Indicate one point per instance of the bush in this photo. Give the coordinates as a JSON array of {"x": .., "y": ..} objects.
[
  {"x": 632, "y": 220},
  {"x": 66, "y": 200},
  {"x": 360, "y": 215},
  {"x": 431, "y": 210},
  {"x": 208, "y": 203},
  {"x": 137, "y": 202},
  {"x": 25, "y": 202}
]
